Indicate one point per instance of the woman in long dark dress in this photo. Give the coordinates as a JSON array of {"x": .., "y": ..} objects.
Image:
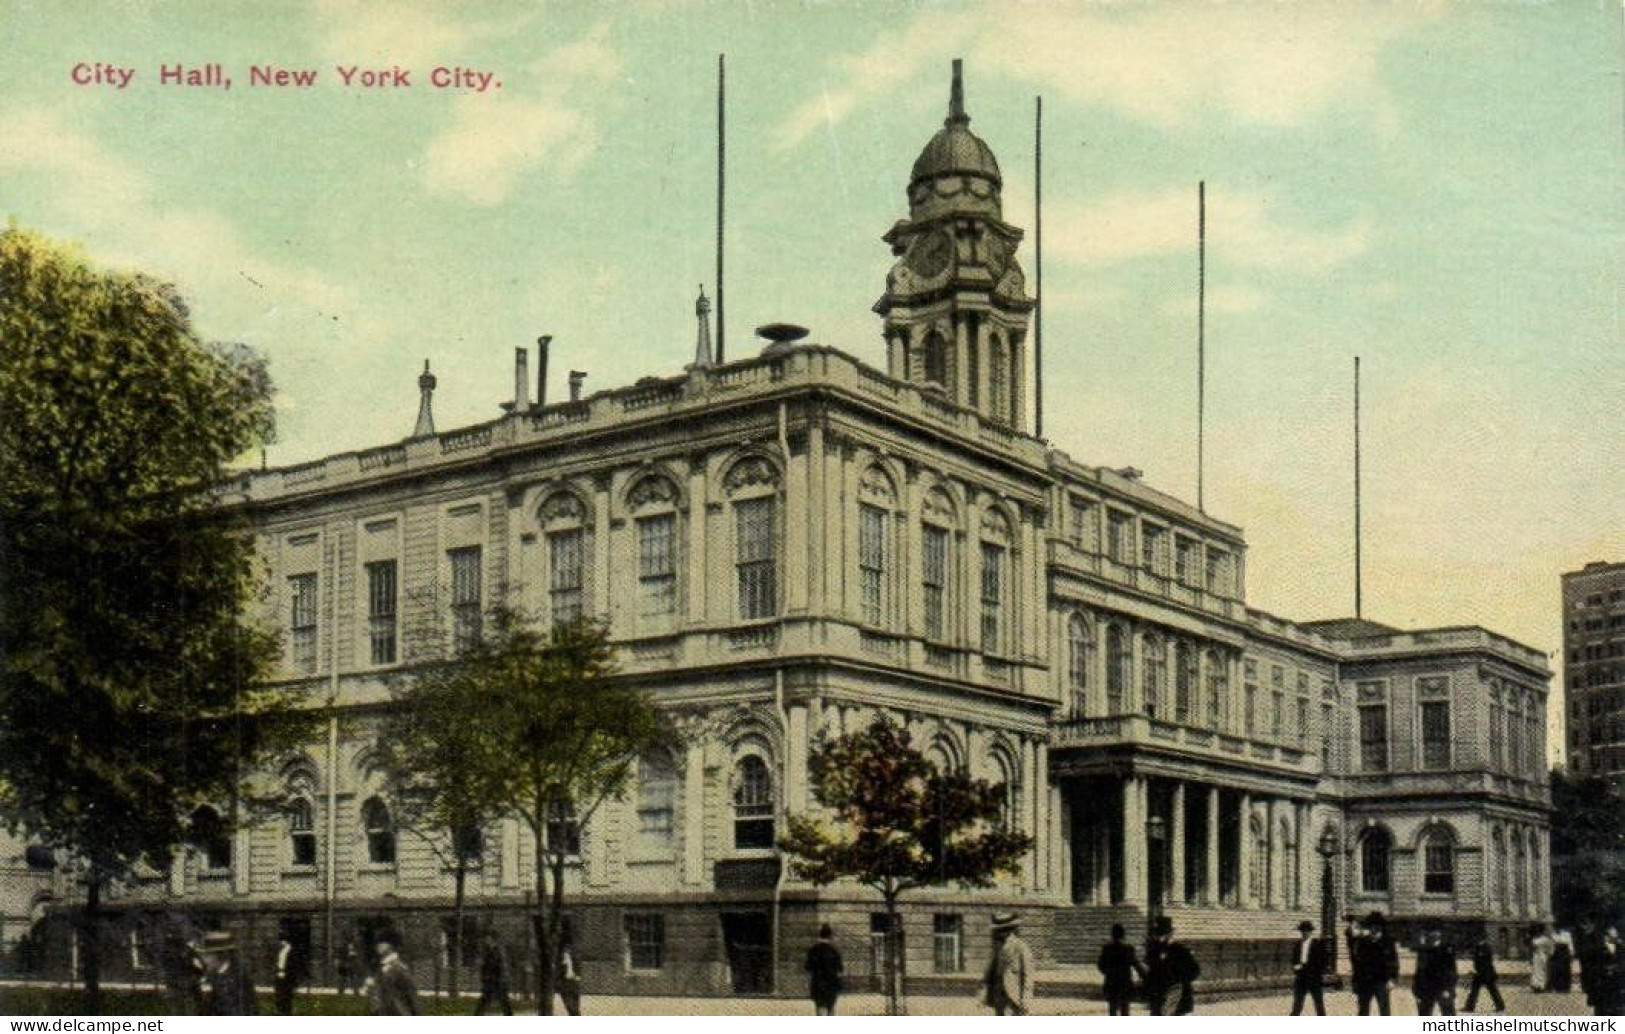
[{"x": 1561, "y": 970}]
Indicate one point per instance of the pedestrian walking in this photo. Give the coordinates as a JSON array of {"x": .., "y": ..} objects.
[
  {"x": 824, "y": 972},
  {"x": 183, "y": 976},
  {"x": 1118, "y": 965},
  {"x": 569, "y": 978},
  {"x": 1169, "y": 967},
  {"x": 1010, "y": 972},
  {"x": 1610, "y": 996},
  {"x": 493, "y": 978},
  {"x": 1592, "y": 953},
  {"x": 1541, "y": 947},
  {"x": 290, "y": 971},
  {"x": 1484, "y": 975},
  {"x": 1434, "y": 983},
  {"x": 349, "y": 975},
  {"x": 1308, "y": 970},
  {"x": 1560, "y": 979},
  {"x": 392, "y": 989},
  {"x": 229, "y": 990},
  {"x": 1374, "y": 960}
]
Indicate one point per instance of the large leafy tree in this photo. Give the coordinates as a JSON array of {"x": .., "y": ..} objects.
[
  {"x": 545, "y": 732},
  {"x": 1588, "y": 848},
  {"x": 894, "y": 822},
  {"x": 126, "y": 666}
]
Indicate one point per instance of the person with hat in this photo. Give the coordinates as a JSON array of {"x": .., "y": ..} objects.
[
  {"x": 1374, "y": 959},
  {"x": 392, "y": 989},
  {"x": 1169, "y": 965},
  {"x": 1308, "y": 970},
  {"x": 1484, "y": 975},
  {"x": 1434, "y": 982},
  {"x": 493, "y": 978},
  {"x": 1010, "y": 973},
  {"x": 229, "y": 990},
  {"x": 824, "y": 972},
  {"x": 1118, "y": 964}
]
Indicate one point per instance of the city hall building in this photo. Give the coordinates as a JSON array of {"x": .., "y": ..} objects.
[{"x": 792, "y": 543}]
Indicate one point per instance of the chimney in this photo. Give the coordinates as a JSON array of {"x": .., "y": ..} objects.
[
  {"x": 521, "y": 380},
  {"x": 426, "y": 383},
  {"x": 541, "y": 368},
  {"x": 576, "y": 377}
]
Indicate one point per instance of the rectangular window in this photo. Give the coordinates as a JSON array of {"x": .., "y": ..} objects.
[
  {"x": 1277, "y": 714},
  {"x": 1217, "y": 569},
  {"x": 1120, "y": 537},
  {"x": 871, "y": 560},
  {"x": 947, "y": 943},
  {"x": 1514, "y": 739},
  {"x": 1184, "y": 561},
  {"x": 381, "y": 588},
  {"x": 645, "y": 941},
  {"x": 1303, "y": 721},
  {"x": 1327, "y": 728},
  {"x": 1435, "y": 733},
  {"x": 657, "y": 570},
  {"x": 466, "y": 597},
  {"x": 302, "y": 622},
  {"x": 934, "y": 580},
  {"x": 1373, "y": 737},
  {"x": 1439, "y": 874},
  {"x": 563, "y": 830},
  {"x": 1497, "y": 759},
  {"x": 992, "y": 597},
  {"x": 755, "y": 561},
  {"x": 1151, "y": 548},
  {"x": 1250, "y": 714},
  {"x": 1085, "y": 533},
  {"x": 566, "y": 565}
]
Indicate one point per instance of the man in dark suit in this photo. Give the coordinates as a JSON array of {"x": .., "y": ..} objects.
[
  {"x": 1169, "y": 966},
  {"x": 1374, "y": 959},
  {"x": 1484, "y": 975},
  {"x": 1434, "y": 983},
  {"x": 230, "y": 992},
  {"x": 290, "y": 971},
  {"x": 1308, "y": 969},
  {"x": 1118, "y": 964},
  {"x": 394, "y": 992}
]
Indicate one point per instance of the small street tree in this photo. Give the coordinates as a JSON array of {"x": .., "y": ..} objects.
[
  {"x": 545, "y": 733},
  {"x": 1588, "y": 848},
  {"x": 895, "y": 823},
  {"x": 127, "y": 669}
]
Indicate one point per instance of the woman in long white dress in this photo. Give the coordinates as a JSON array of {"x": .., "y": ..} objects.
[{"x": 1540, "y": 959}]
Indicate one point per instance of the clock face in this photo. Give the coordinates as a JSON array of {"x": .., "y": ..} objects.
[{"x": 931, "y": 254}]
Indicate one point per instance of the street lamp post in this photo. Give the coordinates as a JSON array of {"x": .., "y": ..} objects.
[
  {"x": 1327, "y": 848},
  {"x": 1156, "y": 832}
]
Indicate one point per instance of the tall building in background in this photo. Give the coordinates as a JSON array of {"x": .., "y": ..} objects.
[
  {"x": 1594, "y": 667},
  {"x": 793, "y": 543}
]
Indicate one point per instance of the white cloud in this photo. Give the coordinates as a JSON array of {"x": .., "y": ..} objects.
[
  {"x": 495, "y": 138},
  {"x": 1165, "y": 64},
  {"x": 1244, "y": 230}
]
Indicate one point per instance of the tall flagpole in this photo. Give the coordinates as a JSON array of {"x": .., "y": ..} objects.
[
  {"x": 1201, "y": 343},
  {"x": 1357, "y": 556},
  {"x": 722, "y": 136},
  {"x": 1038, "y": 266}
]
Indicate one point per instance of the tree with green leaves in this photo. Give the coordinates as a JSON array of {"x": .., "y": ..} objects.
[
  {"x": 128, "y": 672},
  {"x": 545, "y": 732},
  {"x": 894, "y": 822}
]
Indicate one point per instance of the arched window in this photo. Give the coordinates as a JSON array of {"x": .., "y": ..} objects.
[
  {"x": 563, "y": 829},
  {"x": 211, "y": 838},
  {"x": 564, "y": 527},
  {"x": 942, "y": 756},
  {"x": 753, "y": 804},
  {"x": 753, "y": 484},
  {"x": 998, "y": 374},
  {"x": 657, "y": 802},
  {"x": 1119, "y": 662},
  {"x": 936, "y": 359},
  {"x": 301, "y": 818},
  {"x": 1375, "y": 849},
  {"x": 877, "y": 499},
  {"x": 1262, "y": 862},
  {"x": 1520, "y": 900},
  {"x": 1218, "y": 688},
  {"x": 379, "y": 828},
  {"x": 1008, "y": 775},
  {"x": 653, "y": 503},
  {"x": 1185, "y": 675},
  {"x": 1499, "y": 873},
  {"x": 1080, "y": 657},
  {"x": 1156, "y": 674},
  {"x": 936, "y": 564},
  {"x": 1438, "y": 863}
]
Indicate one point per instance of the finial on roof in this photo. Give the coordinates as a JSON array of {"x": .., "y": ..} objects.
[
  {"x": 702, "y": 340},
  {"x": 426, "y": 386},
  {"x": 956, "y": 98}
]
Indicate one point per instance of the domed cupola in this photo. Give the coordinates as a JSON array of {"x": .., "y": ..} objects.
[
  {"x": 956, "y": 170},
  {"x": 956, "y": 303}
]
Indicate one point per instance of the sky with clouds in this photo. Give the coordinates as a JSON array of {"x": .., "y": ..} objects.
[{"x": 1433, "y": 187}]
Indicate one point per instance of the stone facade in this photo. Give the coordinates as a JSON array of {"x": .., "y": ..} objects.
[{"x": 792, "y": 543}]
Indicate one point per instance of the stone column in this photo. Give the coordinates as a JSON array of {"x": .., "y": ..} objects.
[
  {"x": 1244, "y": 854},
  {"x": 1212, "y": 895},
  {"x": 1176, "y": 846},
  {"x": 694, "y": 814},
  {"x": 1060, "y": 844},
  {"x": 1135, "y": 886}
]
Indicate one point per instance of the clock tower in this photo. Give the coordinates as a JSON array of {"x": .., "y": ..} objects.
[{"x": 956, "y": 307}]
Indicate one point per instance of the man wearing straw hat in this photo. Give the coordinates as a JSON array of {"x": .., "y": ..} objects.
[
  {"x": 1010, "y": 973},
  {"x": 230, "y": 992}
]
